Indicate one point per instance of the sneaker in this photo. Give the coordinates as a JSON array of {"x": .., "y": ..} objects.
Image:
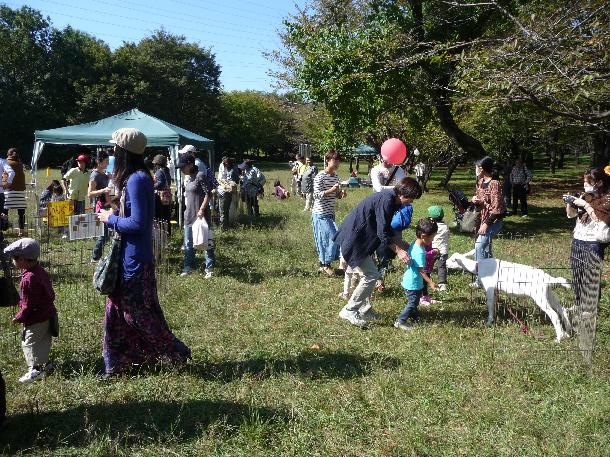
[
  {"x": 525, "y": 216},
  {"x": 185, "y": 273},
  {"x": 32, "y": 376},
  {"x": 403, "y": 327},
  {"x": 343, "y": 296},
  {"x": 328, "y": 271},
  {"x": 64, "y": 237},
  {"x": 353, "y": 317},
  {"x": 442, "y": 287},
  {"x": 208, "y": 274},
  {"x": 427, "y": 301},
  {"x": 371, "y": 315},
  {"x": 474, "y": 285}
]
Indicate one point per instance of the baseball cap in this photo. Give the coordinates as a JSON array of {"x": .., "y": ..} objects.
[
  {"x": 82, "y": 158},
  {"x": 27, "y": 248},
  {"x": 184, "y": 160},
  {"x": 130, "y": 139},
  {"x": 436, "y": 212},
  {"x": 187, "y": 148}
]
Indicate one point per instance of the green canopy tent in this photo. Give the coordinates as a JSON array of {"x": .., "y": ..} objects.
[
  {"x": 158, "y": 132},
  {"x": 362, "y": 151}
]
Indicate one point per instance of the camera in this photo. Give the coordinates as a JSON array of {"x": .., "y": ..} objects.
[{"x": 568, "y": 199}]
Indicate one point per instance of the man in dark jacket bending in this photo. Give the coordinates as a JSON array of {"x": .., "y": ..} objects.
[{"x": 366, "y": 228}]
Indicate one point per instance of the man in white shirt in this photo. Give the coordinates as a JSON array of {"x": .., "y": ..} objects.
[
  {"x": 386, "y": 176},
  {"x": 10, "y": 174}
]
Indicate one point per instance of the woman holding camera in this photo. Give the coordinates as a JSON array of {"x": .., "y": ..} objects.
[{"x": 592, "y": 232}]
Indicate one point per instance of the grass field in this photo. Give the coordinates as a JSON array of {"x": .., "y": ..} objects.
[{"x": 276, "y": 372}]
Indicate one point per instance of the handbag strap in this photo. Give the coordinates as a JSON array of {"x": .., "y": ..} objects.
[{"x": 392, "y": 175}]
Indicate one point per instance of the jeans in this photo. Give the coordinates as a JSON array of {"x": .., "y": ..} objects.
[
  {"x": 369, "y": 275},
  {"x": 324, "y": 229},
  {"x": 410, "y": 310},
  {"x": 79, "y": 206},
  {"x": 190, "y": 263},
  {"x": 99, "y": 244},
  {"x": 482, "y": 246}
]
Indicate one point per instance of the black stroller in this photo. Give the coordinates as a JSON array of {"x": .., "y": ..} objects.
[{"x": 460, "y": 204}]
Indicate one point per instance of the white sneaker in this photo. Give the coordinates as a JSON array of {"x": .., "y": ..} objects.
[
  {"x": 208, "y": 274},
  {"x": 474, "y": 285},
  {"x": 32, "y": 375},
  {"x": 442, "y": 287},
  {"x": 371, "y": 315},
  {"x": 403, "y": 327},
  {"x": 185, "y": 273},
  {"x": 353, "y": 317}
]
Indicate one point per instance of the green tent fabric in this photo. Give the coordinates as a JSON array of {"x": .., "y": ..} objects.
[
  {"x": 363, "y": 150},
  {"x": 158, "y": 132}
]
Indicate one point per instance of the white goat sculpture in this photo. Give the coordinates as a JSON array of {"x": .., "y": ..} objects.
[{"x": 516, "y": 279}]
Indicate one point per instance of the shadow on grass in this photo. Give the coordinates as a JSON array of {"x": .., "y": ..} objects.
[
  {"x": 134, "y": 423},
  {"x": 310, "y": 365},
  {"x": 264, "y": 221}
]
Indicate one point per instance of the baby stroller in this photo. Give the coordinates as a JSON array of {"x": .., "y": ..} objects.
[{"x": 460, "y": 204}]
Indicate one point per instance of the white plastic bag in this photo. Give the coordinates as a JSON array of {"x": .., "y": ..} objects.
[{"x": 200, "y": 234}]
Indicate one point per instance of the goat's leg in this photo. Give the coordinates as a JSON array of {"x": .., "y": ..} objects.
[
  {"x": 556, "y": 304},
  {"x": 544, "y": 305},
  {"x": 492, "y": 296}
]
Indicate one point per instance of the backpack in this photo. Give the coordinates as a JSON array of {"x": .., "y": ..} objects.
[{"x": 307, "y": 180}]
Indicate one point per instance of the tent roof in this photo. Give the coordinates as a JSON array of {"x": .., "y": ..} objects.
[
  {"x": 157, "y": 131},
  {"x": 363, "y": 150}
]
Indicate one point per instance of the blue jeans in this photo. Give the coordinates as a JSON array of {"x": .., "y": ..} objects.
[
  {"x": 410, "y": 310},
  {"x": 190, "y": 263},
  {"x": 99, "y": 244},
  {"x": 482, "y": 245},
  {"x": 324, "y": 229}
]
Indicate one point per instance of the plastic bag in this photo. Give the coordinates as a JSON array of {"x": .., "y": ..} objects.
[{"x": 201, "y": 233}]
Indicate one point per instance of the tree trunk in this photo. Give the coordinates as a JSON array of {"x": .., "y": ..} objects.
[
  {"x": 561, "y": 159},
  {"x": 470, "y": 145},
  {"x": 451, "y": 167},
  {"x": 600, "y": 155}
]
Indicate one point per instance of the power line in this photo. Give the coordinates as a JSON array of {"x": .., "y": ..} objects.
[
  {"x": 88, "y": 10},
  {"x": 207, "y": 8}
]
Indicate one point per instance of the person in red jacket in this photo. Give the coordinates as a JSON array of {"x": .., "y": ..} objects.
[{"x": 37, "y": 312}]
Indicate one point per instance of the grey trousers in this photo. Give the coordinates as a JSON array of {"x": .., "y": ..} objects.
[
  {"x": 362, "y": 293},
  {"x": 36, "y": 343},
  {"x": 308, "y": 201}
]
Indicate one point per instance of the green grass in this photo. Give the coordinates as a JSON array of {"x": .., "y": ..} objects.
[{"x": 276, "y": 372}]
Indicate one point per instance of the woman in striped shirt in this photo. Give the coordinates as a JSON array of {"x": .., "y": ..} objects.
[{"x": 326, "y": 190}]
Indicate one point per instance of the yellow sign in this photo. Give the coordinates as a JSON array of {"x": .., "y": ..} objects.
[{"x": 59, "y": 213}]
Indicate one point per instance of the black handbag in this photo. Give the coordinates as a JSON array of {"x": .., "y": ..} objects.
[
  {"x": 9, "y": 296},
  {"x": 108, "y": 270}
]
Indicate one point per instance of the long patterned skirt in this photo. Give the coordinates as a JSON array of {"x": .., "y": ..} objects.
[{"x": 135, "y": 329}]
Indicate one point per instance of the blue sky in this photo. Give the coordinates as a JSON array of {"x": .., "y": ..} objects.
[{"x": 237, "y": 31}]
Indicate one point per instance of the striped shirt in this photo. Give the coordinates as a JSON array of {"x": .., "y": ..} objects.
[{"x": 324, "y": 204}]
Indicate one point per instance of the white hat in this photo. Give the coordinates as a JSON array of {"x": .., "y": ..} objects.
[
  {"x": 187, "y": 148},
  {"x": 131, "y": 140}
]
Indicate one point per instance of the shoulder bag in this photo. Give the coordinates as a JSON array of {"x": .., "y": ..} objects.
[
  {"x": 8, "y": 292},
  {"x": 470, "y": 219},
  {"x": 108, "y": 270}
]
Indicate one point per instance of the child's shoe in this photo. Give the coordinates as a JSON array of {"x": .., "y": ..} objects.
[
  {"x": 32, "y": 376},
  {"x": 426, "y": 300},
  {"x": 442, "y": 287},
  {"x": 403, "y": 327},
  {"x": 208, "y": 274}
]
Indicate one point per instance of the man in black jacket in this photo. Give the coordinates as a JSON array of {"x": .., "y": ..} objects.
[{"x": 366, "y": 228}]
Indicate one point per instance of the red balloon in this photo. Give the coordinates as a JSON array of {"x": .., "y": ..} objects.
[{"x": 394, "y": 151}]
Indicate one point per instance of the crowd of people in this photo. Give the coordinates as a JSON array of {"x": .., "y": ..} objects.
[{"x": 370, "y": 237}]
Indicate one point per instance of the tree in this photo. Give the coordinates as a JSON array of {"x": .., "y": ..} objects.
[
  {"x": 252, "y": 121},
  {"x": 25, "y": 40},
  {"x": 372, "y": 61}
]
